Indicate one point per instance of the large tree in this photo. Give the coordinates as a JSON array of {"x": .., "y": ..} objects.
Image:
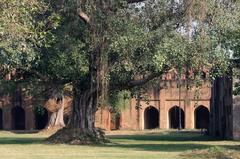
[{"x": 108, "y": 46}]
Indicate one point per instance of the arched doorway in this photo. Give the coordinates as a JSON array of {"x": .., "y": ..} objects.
[
  {"x": 151, "y": 118},
  {"x": 1, "y": 119},
  {"x": 41, "y": 118},
  {"x": 201, "y": 117},
  {"x": 18, "y": 118},
  {"x": 115, "y": 121},
  {"x": 175, "y": 115}
]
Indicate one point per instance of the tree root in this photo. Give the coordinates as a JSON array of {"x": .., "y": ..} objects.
[
  {"x": 77, "y": 137},
  {"x": 50, "y": 130}
]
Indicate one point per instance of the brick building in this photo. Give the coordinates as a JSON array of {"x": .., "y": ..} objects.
[
  {"x": 161, "y": 110},
  {"x": 17, "y": 113},
  {"x": 167, "y": 105}
]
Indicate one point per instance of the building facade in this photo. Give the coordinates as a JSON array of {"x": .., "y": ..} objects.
[
  {"x": 167, "y": 106},
  {"x": 170, "y": 105}
]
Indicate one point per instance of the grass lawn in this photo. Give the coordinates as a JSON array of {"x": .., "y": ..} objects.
[{"x": 155, "y": 144}]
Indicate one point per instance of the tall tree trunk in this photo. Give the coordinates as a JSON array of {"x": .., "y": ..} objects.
[{"x": 84, "y": 109}]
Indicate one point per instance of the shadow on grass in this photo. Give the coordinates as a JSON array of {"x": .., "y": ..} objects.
[
  {"x": 160, "y": 147},
  {"x": 170, "y": 136},
  {"x": 25, "y": 131},
  {"x": 20, "y": 141},
  {"x": 233, "y": 147},
  {"x": 170, "y": 142}
]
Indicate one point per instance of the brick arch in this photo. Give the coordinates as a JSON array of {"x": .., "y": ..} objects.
[
  {"x": 41, "y": 118},
  {"x": 18, "y": 118},
  {"x": 151, "y": 117},
  {"x": 201, "y": 117},
  {"x": 202, "y": 105},
  {"x": 174, "y": 115}
]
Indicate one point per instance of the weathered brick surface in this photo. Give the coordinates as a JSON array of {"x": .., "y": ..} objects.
[
  {"x": 163, "y": 100},
  {"x": 162, "y": 97},
  {"x": 236, "y": 118},
  {"x": 103, "y": 119},
  {"x": 8, "y": 104}
]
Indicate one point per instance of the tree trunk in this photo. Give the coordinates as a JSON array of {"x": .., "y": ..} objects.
[
  {"x": 81, "y": 129},
  {"x": 56, "y": 119}
]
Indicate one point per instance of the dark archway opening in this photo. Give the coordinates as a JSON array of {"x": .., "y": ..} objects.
[
  {"x": 115, "y": 121},
  {"x": 1, "y": 119},
  {"x": 18, "y": 118},
  {"x": 151, "y": 118},
  {"x": 175, "y": 117},
  {"x": 41, "y": 118},
  {"x": 201, "y": 118}
]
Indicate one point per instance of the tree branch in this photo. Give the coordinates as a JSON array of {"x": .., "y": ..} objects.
[
  {"x": 143, "y": 81},
  {"x": 135, "y": 1},
  {"x": 84, "y": 16},
  {"x": 138, "y": 82}
]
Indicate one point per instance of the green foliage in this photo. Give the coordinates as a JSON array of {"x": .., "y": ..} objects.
[
  {"x": 236, "y": 81},
  {"x": 236, "y": 89},
  {"x": 135, "y": 39},
  {"x": 173, "y": 51},
  {"x": 21, "y": 32},
  {"x": 119, "y": 100},
  {"x": 231, "y": 41}
]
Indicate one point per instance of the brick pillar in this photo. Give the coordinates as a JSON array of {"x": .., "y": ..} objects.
[
  {"x": 7, "y": 116},
  {"x": 29, "y": 118},
  {"x": 163, "y": 111},
  {"x": 29, "y": 114},
  {"x": 189, "y": 114},
  {"x": 141, "y": 119}
]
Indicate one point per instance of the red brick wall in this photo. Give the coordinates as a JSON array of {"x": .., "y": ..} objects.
[
  {"x": 162, "y": 99},
  {"x": 168, "y": 97},
  {"x": 103, "y": 119}
]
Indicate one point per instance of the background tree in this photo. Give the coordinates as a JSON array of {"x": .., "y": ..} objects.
[
  {"x": 25, "y": 28},
  {"x": 233, "y": 42}
]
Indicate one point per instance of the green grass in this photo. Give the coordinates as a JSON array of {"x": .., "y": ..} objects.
[{"x": 155, "y": 144}]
